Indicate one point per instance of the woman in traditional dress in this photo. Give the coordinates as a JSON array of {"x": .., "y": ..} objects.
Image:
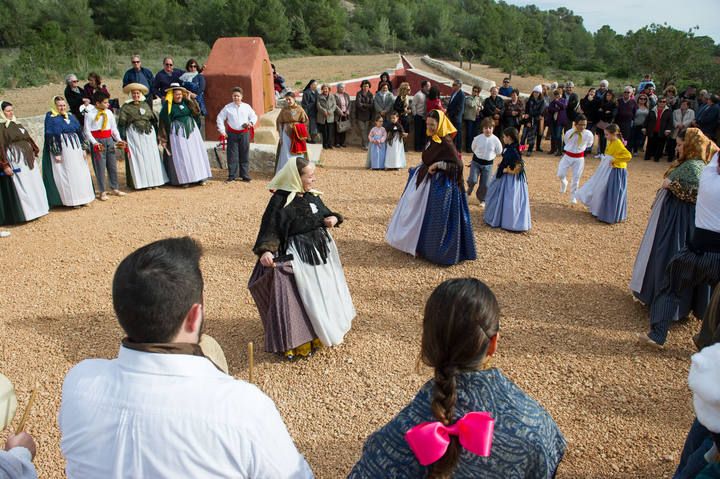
[
  {"x": 503, "y": 432},
  {"x": 672, "y": 221},
  {"x": 605, "y": 193},
  {"x": 294, "y": 232},
  {"x": 185, "y": 157},
  {"x": 65, "y": 170},
  {"x": 507, "y": 202},
  {"x": 292, "y": 128},
  {"x": 136, "y": 122},
  {"x": 432, "y": 219},
  {"x": 396, "y": 134},
  {"x": 18, "y": 154}
]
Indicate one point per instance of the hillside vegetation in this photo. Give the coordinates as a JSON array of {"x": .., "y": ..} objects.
[{"x": 43, "y": 39}]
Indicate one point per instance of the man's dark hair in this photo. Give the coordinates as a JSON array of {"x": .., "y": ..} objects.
[
  {"x": 100, "y": 96},
  {"x": 155, "y": 287},
  {"x": 423, "y": 83}
]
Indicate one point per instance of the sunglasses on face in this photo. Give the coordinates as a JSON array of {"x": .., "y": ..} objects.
[
  {"x": 137, "y": 61},
  {"x": 168, "y": 64}
]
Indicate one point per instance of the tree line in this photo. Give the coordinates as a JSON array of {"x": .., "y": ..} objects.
[{"x": 53, "y": 35}]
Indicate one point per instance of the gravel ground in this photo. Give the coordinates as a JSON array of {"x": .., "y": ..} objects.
[{"x": 567, "y": 316}]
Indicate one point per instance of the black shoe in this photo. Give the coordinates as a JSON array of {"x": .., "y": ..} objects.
[
  {"x": 230, "y": 180},
  {"x": 528, "y": 154},
  {"x": 540, "y": 150},
  {"x": 246, "y": 179}
]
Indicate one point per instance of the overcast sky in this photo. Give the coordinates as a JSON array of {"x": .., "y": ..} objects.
[{"x": 624, "y": 15}]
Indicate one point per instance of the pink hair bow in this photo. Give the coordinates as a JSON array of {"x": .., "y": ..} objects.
[{"x": 429, "y": 441}]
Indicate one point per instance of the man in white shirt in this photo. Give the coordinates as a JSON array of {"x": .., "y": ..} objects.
[
  {"x": 577, "y": 140},
  {"x": 240, "y": 119},
  {"x": 485, "y": 148},
  {"x": 162, "y": 409},
  {"x": 102, "y": 133},
  {"x": 419, "y": 100}
]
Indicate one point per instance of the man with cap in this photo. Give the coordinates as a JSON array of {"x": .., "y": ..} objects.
[
  {"x": 626, "y": 109},
  {"x": 240, "y": 118},
  {"x": 163, "y": 408},
  {"x": 572, "y": 103},
  {"x": 19, "y": 451}
]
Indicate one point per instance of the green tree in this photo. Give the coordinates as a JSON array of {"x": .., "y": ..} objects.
[{"x": 270, "y": 22}]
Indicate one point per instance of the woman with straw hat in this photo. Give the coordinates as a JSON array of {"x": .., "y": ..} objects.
[
  {"x": 137, "y": 122},
  {"x": 185, "y": 157}
]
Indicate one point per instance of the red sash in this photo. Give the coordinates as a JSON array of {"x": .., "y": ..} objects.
[
  {"x": 101, "y": 134},
  {"x": 250, "y": 130},
  {"x": 575, "y": 155},
  {"x": 298, "y": 143}
]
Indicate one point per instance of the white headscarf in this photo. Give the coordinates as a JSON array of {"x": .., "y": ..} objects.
[{"x": 288, "y": 179}]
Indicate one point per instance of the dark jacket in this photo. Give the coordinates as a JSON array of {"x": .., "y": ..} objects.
[
  {"x": 625, "y": 111},
  {"x": 364, "y": 106},
  {"x": 572, "y": 103},
  {"x": 510, "y": 120},
  {"x": 665, "y": 122},
  {"x": 163, "y": 80},
  {"x": 309, "y": 102},
  {"x": 559, "y": 106},
  {"x": 75, "y": 101},
  {"x": 144, "y": 77},
  {"x": 607, "y": 111},
  {"x": 591, "y": 108},
  {"x": 456, "y": 107},
  {"x": 535, "y": 108},
  {"x": 707, "y": 120},
  {"x": 493, "y": 107}
]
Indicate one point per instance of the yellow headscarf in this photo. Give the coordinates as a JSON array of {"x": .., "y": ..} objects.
[
  {"x": 445, "y": 127},
  {"x": 5, "y": 119},
  {"x": 53, "y": 108},
  {"x": 288, "y": 179},
  {"x": 696, "y": 146}
]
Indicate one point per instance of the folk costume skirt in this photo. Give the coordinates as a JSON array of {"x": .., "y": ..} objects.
[
  {"x": 68, "y": 182},
  {"x": 143, "y": 163},
  {"x": 395, "y": 153},
  {"x": 613, "y": 208},
  {"x": 188, "y": 161},
  {"x": 669, "y": 228},
  {"x": 591, "y": 193},
  {"x": 507, "y": 203},
  {"x": 324, "y": 294},
  {"x": 28, "y": 184},
  {"x": 433, "y": 221},
  {"x": 376, "y": 156},
  {"x": 282, "y": 312}
]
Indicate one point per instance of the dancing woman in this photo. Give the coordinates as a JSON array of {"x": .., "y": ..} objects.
[
  {"x": 306, "y": 298},
  {"x": 672, "y": 221},
  {"x": 432, "y": 219}
]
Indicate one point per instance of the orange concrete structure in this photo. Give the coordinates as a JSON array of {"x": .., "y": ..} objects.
[{"x": 237, "y": 61}]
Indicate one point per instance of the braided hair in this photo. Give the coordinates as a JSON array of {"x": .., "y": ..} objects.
[{"x": 461, "y": 316}]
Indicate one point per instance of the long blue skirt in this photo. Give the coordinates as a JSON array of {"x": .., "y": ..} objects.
[
  {"x": 507, "y": 203},
  {"x": 376, "y": 156},
  {"x": 446, "y": 236},
  {"x": 613, "y": 208},
  {"x": 674, "y": 228}
]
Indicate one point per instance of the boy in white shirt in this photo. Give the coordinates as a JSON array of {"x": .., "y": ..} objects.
[
  {"x": 240, "y": 119},
  {"x": 485, "y": 148},
  {"x": 102, "y": 133},
  {"x": 576, "y": 141}
]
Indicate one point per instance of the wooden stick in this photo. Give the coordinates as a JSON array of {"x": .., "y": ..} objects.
[
  {"x": 26, "y": 414},
  {"x": 251, "y": 360}
]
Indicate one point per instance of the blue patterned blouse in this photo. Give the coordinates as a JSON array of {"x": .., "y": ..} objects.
[{"x": 526, "y": 442}]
